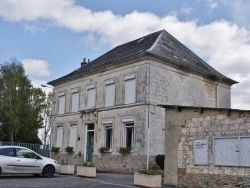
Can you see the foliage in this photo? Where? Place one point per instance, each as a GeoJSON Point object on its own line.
{"type": "Point", "coordinates": [148, 172]}
{"type": "Point", "coordinates": [104, 149]}
{"type": "Point", "coordinates": [87, 164]}
{"type": "Point", "coordinates": [21, 105]}
{"type": "Point", "coordinates": [55, 149]}
{"type": "Point", "coordinates": [159, 159]}
{"type": "Point", "coordinates": [69, 149]}
{"type": "Point", "coordinates": [47, 116]}
{"type": "Point", "coordinates": [125, 150]}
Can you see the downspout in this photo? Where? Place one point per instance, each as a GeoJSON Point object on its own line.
{"type": "Point", "coordinates": [148, 115]}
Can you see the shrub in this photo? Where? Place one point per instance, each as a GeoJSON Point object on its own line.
{"type": "Point", "coordinates": [87, 164]}
{"type": "Point", "coordinates": [103, 149]}
{"type": "Point", "coordinates": [159, 159]}
{"type": "Point", "coordinates": [55, 149]}
{"type": "Point", "coordinates": [148, 172]}
{"type": "Point", "coordinates": [69, 149]}
{"type": "Point", "coordinates": [125, 150]}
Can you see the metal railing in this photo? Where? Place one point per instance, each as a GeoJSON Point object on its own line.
{"type": "Point", "coordinates": [40, 149]}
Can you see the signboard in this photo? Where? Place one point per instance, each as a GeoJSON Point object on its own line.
{"type": "Point", "coordinates": [201, 151]}
{"type": "Point", "coordinates": [227, 151]}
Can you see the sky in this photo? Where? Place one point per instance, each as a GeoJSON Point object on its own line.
{"type": "Point", "coordinates": [51, 37]}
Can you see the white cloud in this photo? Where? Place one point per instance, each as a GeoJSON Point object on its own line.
{"type": "Point", "coordinates": [222, 44]}
{"type": "Point", "coordinates": [36, 67]}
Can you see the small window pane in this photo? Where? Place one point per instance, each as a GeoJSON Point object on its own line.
{"type": "Point", "coordinates": [73, 135]}
{"type": "Point", "coordinates": [129, 134]}
{"type": "Point", "coordinates": [59, 140]}
{"type": "Point", "coordinates": [9, 152]}
{"type": "Point", "coordinates": [108, 135]}
{"type": "Point", "coordinates": [110, 95]}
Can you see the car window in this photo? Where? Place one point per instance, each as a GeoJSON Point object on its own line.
{"type": "Point", "coordinates": [25, 153]}
{"type": "Point", "coordinates": [7, 152]}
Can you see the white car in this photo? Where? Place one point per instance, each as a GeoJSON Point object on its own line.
{"type": "Point", "coordinates": [21, 160]}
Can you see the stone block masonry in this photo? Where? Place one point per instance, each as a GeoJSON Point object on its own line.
{"type": "Point", "coordinates": [189, 124]}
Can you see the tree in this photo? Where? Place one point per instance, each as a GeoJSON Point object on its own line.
{"type": "Point", "coordinates": [21, 104]}
{"type": "Point", "coordinates": [47, 113]}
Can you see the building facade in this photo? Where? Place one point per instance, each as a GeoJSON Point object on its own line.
{"type": "Point", "coordinates": [113, 101]}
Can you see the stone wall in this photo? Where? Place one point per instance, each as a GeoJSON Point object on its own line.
{"type": "Point", "coordinates": [123, 163]}
{"type": "Point", "coordinates": [190, 123]}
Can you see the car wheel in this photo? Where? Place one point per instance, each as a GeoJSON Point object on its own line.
{"type": "Point", "coordinates": [48, 171]}
{"type": "Point", "coordinates": [36, 175]}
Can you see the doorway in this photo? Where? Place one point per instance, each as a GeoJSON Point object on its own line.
{"type": "Point", "coordinates": [90, 142]}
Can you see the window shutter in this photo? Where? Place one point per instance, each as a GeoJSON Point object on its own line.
{"type": "Point", "coordinates": [91, 98]}
{"type": "Point", "coordinates": [130, 91]}
{"type": "Point", "coordinates": [73, 135]}
{"type": "Point", "coordinates": [59, 140]}
{"type": "Point", "coordinates": [110, 95]}
{"type": "Point", "coordinates": [75, 102]}
{"type": "Point", "coordinates": [61, 104]}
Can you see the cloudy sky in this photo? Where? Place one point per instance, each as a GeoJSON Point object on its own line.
{"type": "Point", "coordinates": [51, 37]}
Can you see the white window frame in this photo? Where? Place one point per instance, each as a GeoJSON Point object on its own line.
{"type": "Point", "coordinates": [91, 87]}
{"type": "Point", "coordinates": [127, 124]}
{"type": "Point", "coordinates": [73, 143]}
{"type": "Point", "coordinates": [127, 79]}
{"type": "Point", "coordinates": [60, 145]}
{"type": "Point", "coordinates": [75, 92]}
{"type": "Point", "coordinates": [61, 110]}
{"type": "Point", "coordinates": [108, 100]}
{"type": "Point", "coordinates": [108, 126]}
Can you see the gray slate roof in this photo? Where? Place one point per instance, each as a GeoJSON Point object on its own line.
{"type": "Point", "coordinates": [160, 45]}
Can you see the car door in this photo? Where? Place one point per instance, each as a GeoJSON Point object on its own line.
{"type": "Point", "coordinates": [26, 161]}
{"type": "Point", "coordinates": [7, 159]}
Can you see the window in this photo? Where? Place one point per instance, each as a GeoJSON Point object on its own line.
{"type": "Point", "coordinates": [61, 106]}
{"type": "Point", "coordinates": [130, 89]}
{"type": "Point", "coordinates": [109, 93]}
{"type": "Point", "coordinates": [129, 134]}
{"type": "Point", "coordinates": [25, 153]}
{"type": "Point", "coordinates": [75, 100]}
{"type": "Point", "coordinates": [91, 95]}
{"type": "Point", "coordinates": [73, 136]}
{"type": "Point", "coordinates": [9, 152]}
{"type": "Point", "coordinates": [59, 139]}
{"type": "Point", "coordinates": [108, 135]}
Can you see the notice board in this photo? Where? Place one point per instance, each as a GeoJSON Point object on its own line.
{"type": "Point", "coordinates": [201, 151]}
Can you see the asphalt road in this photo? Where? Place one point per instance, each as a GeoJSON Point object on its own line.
{"type": "Point", "coordinates": [104, 180]}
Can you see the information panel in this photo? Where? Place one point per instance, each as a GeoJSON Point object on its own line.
{"type": "Point", "coordinates": [227, 151]}
{"type": "Point", "coordinates": [201, 151]}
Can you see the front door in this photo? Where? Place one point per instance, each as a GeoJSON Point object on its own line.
{"type": "Point", "coordinates": [90, 142]}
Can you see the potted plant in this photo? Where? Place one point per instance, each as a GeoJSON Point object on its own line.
{"type": "Point", "coordinates": [87, 170]}
{"type": "Point", "coordinates": [67, 168]}
{"type": "Point", "coordinates": [147, 178]}
{"type": "Point", "coordinates": [55, 150]}
{"type": "Point", "coordinates": [125, 150]}
{"type": "Point", "coordinates": [69, 149]}
{"type": "Point", "coordinates": [104, 149]}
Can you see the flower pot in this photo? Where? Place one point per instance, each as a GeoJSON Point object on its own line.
{"type": "Point", "coordinates": [67, 169]}
{"type": "Point", "coordinates": [86, 171]}
{"type": "Point", "coordinates": [147, 180]}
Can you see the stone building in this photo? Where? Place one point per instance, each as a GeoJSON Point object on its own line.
{"type": "Point", "coordinates": [113, 100]}
{"type": "Point", "coordinates": [207, 147]}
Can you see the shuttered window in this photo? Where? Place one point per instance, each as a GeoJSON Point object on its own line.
{"type": "Point", "coordinates": [59, 139]}
{"type": "Point", "coordinates": [74, 101]}
{"type": "Point", "coordinates": [73, 136]}
{"type": "Point", "coordinates": [109, 94]}
{"type": "Point", "coordinates": [130, 90]}
{"type": "Point", "coordinates": [91, 92]}
{"type": "Point", "coordinates": [108, 135]}
{"type": "Point", "coordinates": [61, 106]}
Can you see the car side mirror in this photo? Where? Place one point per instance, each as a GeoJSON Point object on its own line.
{"type": "Point", "coordinates": [38, 157]}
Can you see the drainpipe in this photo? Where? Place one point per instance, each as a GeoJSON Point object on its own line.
{"type": "Point", "coordinates": [148, 116]}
